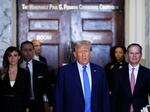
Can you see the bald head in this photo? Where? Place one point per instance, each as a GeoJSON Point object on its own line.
{"type": "Point", "coordinates": [37, 46]}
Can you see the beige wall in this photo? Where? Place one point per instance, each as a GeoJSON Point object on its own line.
{"type": "Point", "coordinates": [135, 24]}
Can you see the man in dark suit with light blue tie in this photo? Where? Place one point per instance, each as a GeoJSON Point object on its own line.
{"type": "Point", "coordinates": [132, 83]}
{"type": "Point", "coordinates": [81, 86]}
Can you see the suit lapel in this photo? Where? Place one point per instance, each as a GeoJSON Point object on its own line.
{"type": "Point", "coordinates": [77, 79]}
{"type": "Point", "coordinates": [7, 81]}
{"type": "Point", "coordinates": [93, 78]}
{"type": "Point", "coordinates": [126, 80]}
{"type": "Point", "coordinates": [33, 65]}
{"type": "Point", "coordinates": [34, 72]}
{"type": "Point", "coordinates": [138, 79]}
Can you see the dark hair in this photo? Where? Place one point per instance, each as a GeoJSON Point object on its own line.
{"type": "Point", "coordinates": [26, 42]}
{"type": "Point", "coordinates": [112, 51]}
{"type": "Point", "coordinates": [7, 53]}
{"type": "Point", "coordinates": [134, 44]}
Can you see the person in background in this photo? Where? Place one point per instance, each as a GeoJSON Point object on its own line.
{"type": "Point", "coordinates": [117, 61]}
{"type": "Point", "coordinates": [37, 56]}
{"type": "Point", "coordinates": [15, 83]}
{"type": "Point", "coordinates": [39, 81]}
{"type": "Point", "coordinates": [81, 86]}
{"type": "Point", "coordinates": [37, 51]}
{"type": "Point", "coordinates": [132, 83]}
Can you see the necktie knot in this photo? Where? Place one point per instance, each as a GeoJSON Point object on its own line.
{"type": "Point", "coordinates": [84, 67]}
{"type": "Point", "coordinates": [133, 69]}
{"type": "Point", "coordinates": [27, 65]}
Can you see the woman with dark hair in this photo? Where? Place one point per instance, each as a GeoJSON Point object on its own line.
{"type": "Point", "coordinates": [117, 55]}
{"type": "Point", "coordinates": [15, 83]}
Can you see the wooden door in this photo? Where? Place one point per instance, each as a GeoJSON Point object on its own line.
{"type": "Point", "coordinates": [58, 27]}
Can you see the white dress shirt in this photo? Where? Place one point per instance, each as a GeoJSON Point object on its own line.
{"type": "Point", "coordinates": [136, 69]}
{"type": "Point", "coordinates": [36, 58]}
{"type": "Point", "coordinates": [12, 83]}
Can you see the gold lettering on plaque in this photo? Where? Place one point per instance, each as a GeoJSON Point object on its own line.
{"type": "Point", "coordinates": [44, 37]}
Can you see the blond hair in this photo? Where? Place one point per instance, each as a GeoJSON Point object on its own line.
{"type": "Point", "coordinates": [83, 42]}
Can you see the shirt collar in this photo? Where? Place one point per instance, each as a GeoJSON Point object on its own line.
{"type": "Point", "coordinates": [36, 57]}
{"type": "Point", "coordinates": [81, 66]}
{"type": "Point", "coordinates": [136, 68]}
{"type": "Point", "coordinates": [29, 62]}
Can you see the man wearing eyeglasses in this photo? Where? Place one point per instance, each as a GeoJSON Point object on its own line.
{"type": "Point", "coordinates": [39, 82]}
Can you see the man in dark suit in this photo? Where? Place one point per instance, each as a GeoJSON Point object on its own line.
{"type": "Point", "coordinates": [132, 83]}
{"type": "Point", "coordinates": [39, 82]}
{"type": "Point", "coordinates": [81, 86]}
{"type": "Point", "coordinates": [37, 52]}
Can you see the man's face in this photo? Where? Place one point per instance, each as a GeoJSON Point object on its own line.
{"type": "Point", "coordinates": [83, 54]}
{"type": "Point", "coordinates": [134, 55]}
{"type": "Point", "coordinates": [27, 52]}
{"type": "Point", "coordinates": [37, 47]}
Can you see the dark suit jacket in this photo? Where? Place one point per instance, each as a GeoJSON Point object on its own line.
{"type": "Point", "coordinates": [41, 84]}
{"type": "Point", "coordinates": [122, 97]}
{"type": "Point", "coordinates": [16, 98]}
{"type": "Point", "coordinates": [42, 59]}
{"type": "Point", "coordinates": [69, 94]}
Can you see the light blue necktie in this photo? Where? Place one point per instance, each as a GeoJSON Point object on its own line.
{"type": "Point", "coordinates": [87, 92]}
